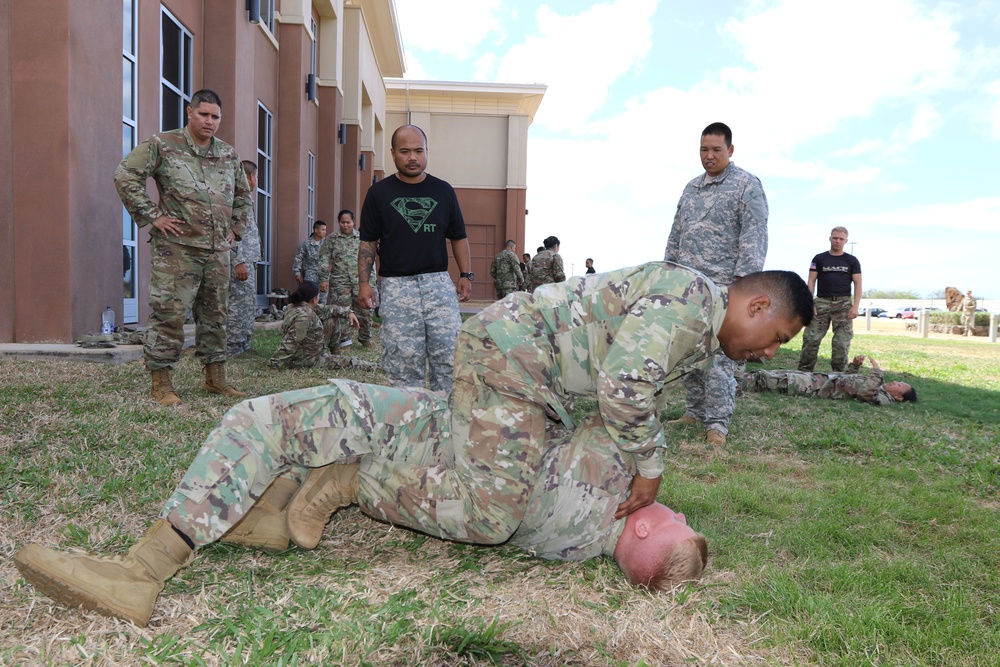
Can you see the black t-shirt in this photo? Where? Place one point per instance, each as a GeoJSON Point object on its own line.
{"type": "Point", "coordinates": [833, 273]}
{"type": "Point", "coordinates": [411, 222]}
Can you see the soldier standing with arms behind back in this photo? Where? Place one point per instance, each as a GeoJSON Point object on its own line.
{"type": "Point", "coordinates": [834, 271]}
{"type": "Point", "coordinates": [968, 308]}
{"type": "Point", "coordinates": [720, 228]}
{"type": "Point", "coordinates": [338, 279]}
{"type": "Point", "coordinates": [244, 256]}
{"type": "Point", "coordinates": [204, 205]}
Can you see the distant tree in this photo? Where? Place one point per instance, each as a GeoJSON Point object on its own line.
{"type": "Point", "coordinates": [937, 294]}
{"type": "Point", "coordinates": [889, 294]}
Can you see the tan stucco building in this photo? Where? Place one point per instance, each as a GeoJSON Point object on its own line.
{"type": "Point", "coordinates": [311, 91]}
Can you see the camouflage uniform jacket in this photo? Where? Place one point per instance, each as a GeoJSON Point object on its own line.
{"type": "Point", "coordinates": [506, 271]}
{"type": "Point", "coordinates": [205, 188]}
{"type": "Point", "coordinates": [306, 262]}
{"type": "Point", "coordinates": [247, 250]}
{"type": "Point", "coordinates": [617, 337]}
{"type": "Point", "coordinates": [338, 259]}
{"type": "Point", "coordinates": [968, 305]}
{"type": "Point", "coordinates": [304, 341]}
{"type": "Point", "coordinates": [720, 227]}
{"type": "Point", "coordinates": [546, 267]}
{"type": "Point", "coordinates": [866, 388]}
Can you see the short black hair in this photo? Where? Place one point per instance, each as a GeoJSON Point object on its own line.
{"type": "Point", "coordinates": [510, 244]}
{"type": "Point", "coordinates": [249, 167]}
{"type": "Point", "coordinates": [392, 142]}
{"type": "Point", "coordinates": [550, 242]}
{"type": "Point", "coordinates": [719, 128]}
{"type": "Point", "coordinates": [317, 224]}
{"type": "Point", "coordinates": [347, 211]}
{"type": "Point", "coordinates": [788, 292]}
{"type": "Point", "coordinates": [205, 95]}
{"type": "Point", "coordinates": [911, 395]}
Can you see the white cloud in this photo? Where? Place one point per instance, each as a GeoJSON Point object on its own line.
{"type": "Point", "coordinates": [414, 70]}
{"type": "Point", "coordinates": [974, 215]}
{"type": "Point", "coordinates": [579, 57]}
{"type": "Point", "coordinates": [450, 27]}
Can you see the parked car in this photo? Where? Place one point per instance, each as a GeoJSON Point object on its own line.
{"type": "Point", "coordinates": [876, 312]}
{"type": "Point", "coordinates": [907, 313]}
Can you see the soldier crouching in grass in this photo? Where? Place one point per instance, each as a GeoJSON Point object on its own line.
{"type": "Point", "coordinates": [494, 464]}
{"type": "Point", "coordinates": [867, 388]}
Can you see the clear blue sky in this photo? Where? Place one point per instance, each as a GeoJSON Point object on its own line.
{"type": "Point", "coordinates": [879, 115]}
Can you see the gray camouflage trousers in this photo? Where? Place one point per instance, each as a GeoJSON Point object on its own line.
{"type": "Point", "coordinates": [835, 310]}
{"type": "Point", "coordinates": [711, 394]}
{"type": "Point", "coordinates": [242, 307]}
{"type": "Point", "coordinates": [420, 322]}
{"type": "Point", "coordinates": [185, 279]}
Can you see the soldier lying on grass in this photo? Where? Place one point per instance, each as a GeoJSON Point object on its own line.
{"type": "Point", "coordinates": [850, 384]}
{"type": "Point", "coordinates": [617, 338]}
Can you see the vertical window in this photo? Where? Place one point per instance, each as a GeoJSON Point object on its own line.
{"type": "Point", "coordinates": [311, 191]}
{"type": "Point", "coordinates": [130, 233]}
{"type": "Point", "coordinates": [267, 14]}
{"type": "Point", "coordinates": [175, 72]}
{"type": "Point", "coordinates": [264, 193]}
{"type": "Point", "coordinates": [315, 42]}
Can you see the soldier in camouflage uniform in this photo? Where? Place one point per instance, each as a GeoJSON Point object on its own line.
{"type": "Point", "coordinates": [618, 338]}
{"type": "Point", "coordinates": [968, 308]}
{"type": "Point", "coordinates": [850, 384]}
{"type": "Point", "coordinates": [547, 266]}
{"type": "Point", "coordinates": [243, 258]}
{"type": "Point", "coordinates": [205, 203]}
{"type": "Point", "coordinates": [506, 271]}
{"type": "Point", "coordinates": [338, 277]}
{"type": "Point", "coordinates": [305, 266]}
{"type": "Point", "coordinates": [307, 327]}
{"type": "Point", "coordinates": [720, 229]}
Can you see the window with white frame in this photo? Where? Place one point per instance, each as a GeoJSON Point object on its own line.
{"type": "Point", "coordinates": [265, 188]}
{"type": "Point", "coordinates": [267, 14]}
{"type": "Point", "coordinates": [315, 47]}
{"type": "Point", "coordinates": [175, 71]}
{"type": "Point", "coordinates": [311, 191]}
{"type": "Point", "coordinates": [130, 81]}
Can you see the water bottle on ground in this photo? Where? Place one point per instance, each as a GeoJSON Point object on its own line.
{"type": "Point", "coordinates": [107, 321]}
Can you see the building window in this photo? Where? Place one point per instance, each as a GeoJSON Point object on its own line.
{"type": "Point", "coordinates": [315, 47]}
{"type": "Point", "coordinates": [265, 128]}
{"type": "Point", "coordinates": [311, 191]}
{"type": "Point", "coordinates": [175, 72]}
{"type": "Point", "coordinates": [267, 14]}
{"type": "Point", "coordinates": [130, 233]}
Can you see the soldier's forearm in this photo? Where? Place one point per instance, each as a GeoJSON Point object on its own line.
{"type": "Point", "coordinates": [366, 261]}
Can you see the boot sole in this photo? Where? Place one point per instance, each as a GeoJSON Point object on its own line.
{"type": "Point", "coordinates": [68, 595]}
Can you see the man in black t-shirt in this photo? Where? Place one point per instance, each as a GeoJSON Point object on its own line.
{"type": "Point", "coordinates": [835, 271]}
{"type": "Point", "coordinates": [405, 220]}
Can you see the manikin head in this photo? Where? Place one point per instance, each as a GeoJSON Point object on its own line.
{"type": "Point", "coordinates": [658, 550]}
{"type": "Point", "coordinates": [766, 310]}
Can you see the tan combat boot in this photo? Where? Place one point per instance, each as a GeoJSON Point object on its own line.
{"type": "Point", "coordinates": [684, 419]}
{"type": "Point", "coordinates": [715, 437]}
{"type": "Point", "coordinates": [325, 490]}
{"type": "Point", "coordinates": [123, 587]}
{"type": "Point", "coordinates": [216, 382]}
{"type": "Point", "coordinates": [163, 388]}
{"type": "Point", "coordinates": [265, 526]}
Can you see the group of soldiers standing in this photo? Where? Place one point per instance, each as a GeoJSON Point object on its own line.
{"type": "Point", "coordinates": [510, 275]}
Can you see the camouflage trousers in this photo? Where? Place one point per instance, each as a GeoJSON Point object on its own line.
{"type": "Point", "coordinates": [346, 294]}
{"type": "Point", "coordinates": [184, 279]}
{"type": "Point", "coordinates": [503, 289]}
{"type": "Point", "coordinates": [462, 471]}
{"type": "Point", "coordinates": [420, 322]}
{"type": "Point", "coordinates": [242, 306]}
{"type": "Point", "coordinates": [711, 393]}
{"type": "Point", "coordinates": [835, 310]}
{"type": "Point", "coordinates": [795, 383]}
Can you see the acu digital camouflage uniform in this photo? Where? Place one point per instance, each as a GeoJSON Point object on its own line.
{"type": "Point", "coordinates": [850, 384]}
{"type": "Point", "coordinates": [545, 267]}
{"type": "Point", "coordinates": [338, 265]}
{"type": "Point", "coordinates": [307, 333]}
{"type": "Point", "coordinates": [242, 306]}
{"type": "Point", "coordinates": [306, 262]}
{"type": "Point", "coordinates": [208, 191]}
{"type": "Point", "coordinates": [720, 229]}
{"type": "Point", "coordinates": [616, 337]}
{"type": "Point", "coordinates": [506, 273]}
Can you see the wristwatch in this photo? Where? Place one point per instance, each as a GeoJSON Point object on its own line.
{"type": "Point", "coordinates": [471, 276]}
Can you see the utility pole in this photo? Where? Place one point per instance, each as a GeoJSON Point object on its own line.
{"type": "Point", "coordinates": [852, 243]}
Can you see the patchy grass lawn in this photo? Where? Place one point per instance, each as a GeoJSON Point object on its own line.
{"type": "Point", "coordinates": [840, 534]}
